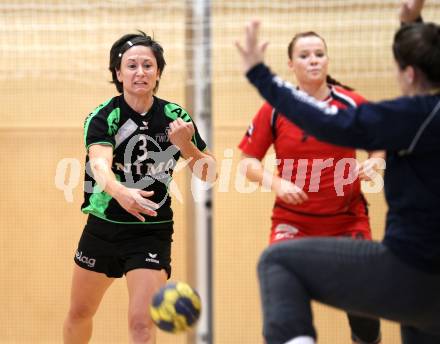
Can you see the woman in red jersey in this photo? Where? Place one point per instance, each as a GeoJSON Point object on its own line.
{"type": "Point", "coordinates": [317, 185]}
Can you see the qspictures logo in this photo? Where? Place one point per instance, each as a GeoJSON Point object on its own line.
{"type": "Point", "coordinates": [231, 177]}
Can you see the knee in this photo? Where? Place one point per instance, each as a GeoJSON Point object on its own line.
{"type": "Point", "coordinates": [268, 256]}
{"type": "Point", "coordinates": [80, 312]}
{"type": "Point", "coordinates": [272, 256]}
{"type": "Point", "coordinates": [140, 325]}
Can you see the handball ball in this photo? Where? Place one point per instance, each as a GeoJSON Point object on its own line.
{"type": "Point", "coordinates": [175, 307]}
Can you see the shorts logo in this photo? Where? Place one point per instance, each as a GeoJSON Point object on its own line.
{"type": "Point", "coordinates": [285, 231]}
{"type": "Point", "coordinates": [90, 262]}
{"type": "Point", "coordinates": [151, 258]}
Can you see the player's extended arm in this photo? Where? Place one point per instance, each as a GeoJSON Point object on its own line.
{"type": "Point", "coordinates": [390, 125]}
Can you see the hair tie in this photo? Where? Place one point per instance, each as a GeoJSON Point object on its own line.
{"type": "Point", "coordinates": [124, 48]}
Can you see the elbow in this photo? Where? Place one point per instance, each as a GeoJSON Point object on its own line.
{"type": "Point", "coordinates": [99, 165]}
{"type": "Point", "coordinates": [209, 175]}
{"type": "Point", "coordinates": [205, 169]}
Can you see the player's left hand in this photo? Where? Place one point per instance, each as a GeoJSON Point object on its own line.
{"type": "Point", "coordinates": [181, 132]}
{"type": "Point", "coordinates": [368, 170]}
{"type": "Point", "coordinates": [410, 10]}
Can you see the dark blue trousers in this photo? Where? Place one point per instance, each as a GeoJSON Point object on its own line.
{"type": "Point", "coordinates": [360, 277]}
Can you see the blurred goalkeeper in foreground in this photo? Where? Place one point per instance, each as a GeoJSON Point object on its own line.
{"type": "Point", "coordinates": [399, 278]}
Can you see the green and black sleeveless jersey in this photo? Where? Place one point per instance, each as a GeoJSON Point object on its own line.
{"type": "Point", "coordinates": [143, 156]}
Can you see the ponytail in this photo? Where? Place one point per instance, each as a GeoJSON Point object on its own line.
{"type": "Point", "coordinates": [335, 82]}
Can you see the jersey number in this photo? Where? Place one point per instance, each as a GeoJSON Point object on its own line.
{"type": "Point", "coordinates": [143, 148]}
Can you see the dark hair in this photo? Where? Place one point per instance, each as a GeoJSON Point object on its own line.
{"type": "Point", "coordinates": [126, 42]}
{"type": "Point", "coordinates": [291, 46]}
{"type": "Point", "coordinates": [418, 45]}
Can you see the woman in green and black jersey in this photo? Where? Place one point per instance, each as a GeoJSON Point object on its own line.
{"type": "Point", "coordinates": [133, 142]}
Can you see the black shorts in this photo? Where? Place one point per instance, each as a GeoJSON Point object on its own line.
{"type": "Point", "coordinates": [115, 248]}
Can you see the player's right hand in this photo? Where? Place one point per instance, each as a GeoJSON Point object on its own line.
{"type": "Point", "coordinates": [135, 202]}
{"type": "Point", "coordinates": [289, 192]}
